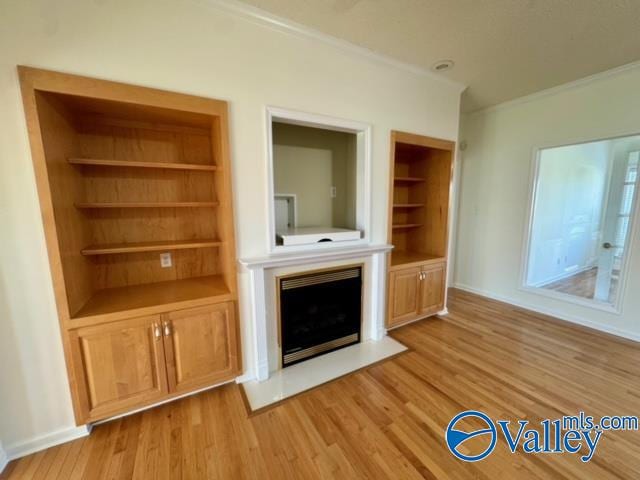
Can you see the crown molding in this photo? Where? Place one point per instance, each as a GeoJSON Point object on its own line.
{"type": "Point", "coordinates": [266, 19]}
{"type": "Point", "coordinates": [548, 92]}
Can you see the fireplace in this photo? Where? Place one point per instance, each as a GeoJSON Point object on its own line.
{"type": "Point", "coordinates": [319, 312]}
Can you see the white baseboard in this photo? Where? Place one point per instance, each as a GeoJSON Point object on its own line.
{"type": "Point", "coordinates": [618, 332]}
{"type": "Point", "coordinates": [45, 441]}
{"type": "Point", "coordinates": [561, 276]}
{"type": "Point", "coordinates": [247, 376]}
{"type": "Point", "coordinates": [4, 458]}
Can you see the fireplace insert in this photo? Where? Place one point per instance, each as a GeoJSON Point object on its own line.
{"type": "Point", "coordinates": [319, 312]}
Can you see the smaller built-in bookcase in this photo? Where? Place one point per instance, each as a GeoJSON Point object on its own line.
{"type": "Point", "coordinates": [421, 172]}
{"type": "Point", "coordinates": [134, 185]}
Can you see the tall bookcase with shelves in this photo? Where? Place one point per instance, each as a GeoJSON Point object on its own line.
{"type": "Point", "coordinates": [126, 174]}
{"type": "Point", "coordinates": [418, 225]}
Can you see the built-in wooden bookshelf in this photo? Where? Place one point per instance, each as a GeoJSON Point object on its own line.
{"type": "Point", "coordinates": [125, 174]}
{"type": "Point", "coordinates": [130, 164]}
{"type": "Point", "coordinates": [418, 225]}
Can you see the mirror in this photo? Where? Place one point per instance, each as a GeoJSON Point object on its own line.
{"type": "Point", "coordinates": [583, 206]}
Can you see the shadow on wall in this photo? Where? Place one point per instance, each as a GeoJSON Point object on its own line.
{"type": "Point", "coordinates": [11, 371]}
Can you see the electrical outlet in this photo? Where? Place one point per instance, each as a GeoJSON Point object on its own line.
{"type": "Point", "coordinates": [165, 260]}
{"type": "Point", "coordinates": [334, 192]}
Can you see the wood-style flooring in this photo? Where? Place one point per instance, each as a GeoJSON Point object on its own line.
{"type": "Point", "coordinates": [388, 420]}
{"type": "Point", "coordinates": [582, 284]}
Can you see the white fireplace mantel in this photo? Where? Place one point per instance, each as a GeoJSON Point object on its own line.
{"type": "Point", "coordinates": [373, 326]}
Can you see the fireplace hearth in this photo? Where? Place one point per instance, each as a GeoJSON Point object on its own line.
{"type": "Point", "coordinates": [319, 312]}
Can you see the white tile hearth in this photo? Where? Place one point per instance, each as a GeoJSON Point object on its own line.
{"type": "Point", "coordinates": [303, 376]}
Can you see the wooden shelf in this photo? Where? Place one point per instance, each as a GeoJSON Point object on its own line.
{"type": "Point", "coordinates": [150, 298]}
{"type": "Point", "coordinates": [148, 205]}
{"type": "Point", "coordinates": [408, 205]}
{"type": "Point", "coordinates": [408, 179]}
{"type": "Point", "coordinates": [403, 259]}
{"type": "Point", "coordinates": [406, 225]}
{"type": "Point", "coordinates": [107, 249]}
{"type": "Point", "coordinates": [128, 164]}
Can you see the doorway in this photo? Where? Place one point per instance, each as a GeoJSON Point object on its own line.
{"type": "Point", "coordinates": [584, 200]}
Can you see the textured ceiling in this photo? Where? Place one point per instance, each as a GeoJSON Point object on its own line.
{"type": "Point", "coordinates": [503, 49]}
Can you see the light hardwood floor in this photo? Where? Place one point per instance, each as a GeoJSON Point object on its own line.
{"type": "Point", "coordinates": [582, 284]}
{"type": "Point", "coordinates": [387, 421]}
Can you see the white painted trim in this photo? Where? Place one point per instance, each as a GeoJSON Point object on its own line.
{"type": "Point", "coordinates": [45, 441]}
{"type": "Point", "coordinates": [264, 18]}
{"type": "Point", "coordinates": [548, 92]}
{"type": "Point", "coordinates": [4, 459]}
{"type": "Point", "coordinates": [300, 258]}
{"type": "Point", "coordinates": [566, 297]}
{"type": "Point", "coordinates": [562, 276]}
{"type": "Point", "coordinates": [619, 332]}
{"type": "Point", "coordinates": [258, 316]}
{"type": "Point", "coordinates": [378, 285]}
{"type": "Point", "coordinates": [248, 376]}
{"type": "Point", "coordinates": [363, 167]}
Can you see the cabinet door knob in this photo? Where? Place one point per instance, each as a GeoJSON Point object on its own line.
{"type": "Point", "coordinates": [156, 331]}
{"type": "Point", "coordinates": [167, 329]}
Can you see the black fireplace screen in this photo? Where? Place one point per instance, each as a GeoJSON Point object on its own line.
{"type": "Point", "coordinates": [319, 312]}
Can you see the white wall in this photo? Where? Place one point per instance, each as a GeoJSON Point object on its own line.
{"type": "Point", "coordinates": [190, 47]}
{"type": "Point", "coordinates": [495, 187]}
{"type": "Point", "coordinates": [568, 210]}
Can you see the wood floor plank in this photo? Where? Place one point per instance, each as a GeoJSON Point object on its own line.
{"type": "Point", "coordinates": [388, 420]}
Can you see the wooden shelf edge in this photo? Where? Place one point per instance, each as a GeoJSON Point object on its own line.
{"type": "Point", "coordinates": [400, 260]}
{"type": "Point", "coordinates": [150, 299]}
{"type": "Point", "coordinates": [132, 164]}
{"type": "Point", "coordinates": [107, 249]}
{"type": "Point", "coordinates": [408, 179]}
{"type": "Point", "coordinates": [406, 225]}
{"type": "Point", "coordinates": [89, 205]}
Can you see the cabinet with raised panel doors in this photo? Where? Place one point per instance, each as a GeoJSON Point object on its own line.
{"type": "Point", "coordinates": [135, 191]}
{"type": "Point", "coordinates": [415, 292]}
{"type": "Point", "coordinates": [419, 195]}
{"type": "Point", "coordinates": [141, 361]}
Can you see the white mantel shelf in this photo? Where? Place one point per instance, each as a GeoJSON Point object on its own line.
{"type": "Point", "coordinates": [258, 268]}
{"type": "Point", "coordinates": [313, 256]}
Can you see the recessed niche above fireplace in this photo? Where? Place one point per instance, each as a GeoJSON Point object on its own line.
{"type": "Point", "coordinates": [318, 181]}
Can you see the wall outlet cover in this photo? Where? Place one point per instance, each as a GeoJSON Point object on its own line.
{"type": "Point", "coordinates": [165, 260]}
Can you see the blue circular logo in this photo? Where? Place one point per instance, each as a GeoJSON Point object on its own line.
{"type": "Point", "coordinates": [455, 438]}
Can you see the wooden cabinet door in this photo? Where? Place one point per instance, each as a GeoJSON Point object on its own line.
{"type": "Point", "coordinates": [119, 365]}
{"type": "Point", "coordinates": [200, 346]}
{"type": "Point", "coordinates": [404, 292]}
{"type": "Point", "coordinates": [432, 289]}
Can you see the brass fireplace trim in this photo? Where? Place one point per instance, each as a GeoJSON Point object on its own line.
{"type": "Point", "coordinates": [278, 280]}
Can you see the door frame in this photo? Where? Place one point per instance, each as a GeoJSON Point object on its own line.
{"type": "Point", "coordinates": [615, 308]}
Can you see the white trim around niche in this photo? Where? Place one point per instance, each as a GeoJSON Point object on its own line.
{"type": "Point", "coordinates": [363, 147]}
{"type": "Point", "coordinates": [615, 308]}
